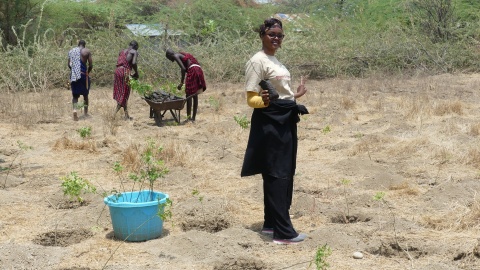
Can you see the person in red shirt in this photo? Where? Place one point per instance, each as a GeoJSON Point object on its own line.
{"type": "Point", "coordinates": [192, 75]}
{"type": "Point", "coordinates": [126, 63]}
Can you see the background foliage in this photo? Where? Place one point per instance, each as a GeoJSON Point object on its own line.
{"type": "Point", "coordinates": [329, 38]}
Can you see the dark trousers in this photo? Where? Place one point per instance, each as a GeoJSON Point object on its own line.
{"type": "Point", "coordinates": [277, 198]}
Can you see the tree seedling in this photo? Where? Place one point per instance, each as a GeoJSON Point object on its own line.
{"type": "Point", "coordinates": [380, 196]}
{"type": "Point", "coordinates": [151, 169]}
{"type": "Point", "coordinates": [326, 129]}
{"type": "Point", "coordinates": [321, 255]}
{"type": "Point", "coordinates": [345, 183]}
{"type": "Point", "coordinates": [85, 132]}
{"type": "Point", "coordinates": [242, 121]}
{"type": "Point", "coordinates": [74, 186]}
{"type": "Point", "coordinates": [215, 103]}
{"type": "Point", "coordinates": [359, 135]}
{"type": "Point", "coordinates": [196, 193]}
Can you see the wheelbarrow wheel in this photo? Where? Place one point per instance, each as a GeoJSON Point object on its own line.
{"type": "Point", "coordinates": [158, 118]}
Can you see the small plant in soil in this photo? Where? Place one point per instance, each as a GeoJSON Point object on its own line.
{"type": "Point", "coordinates": [242, 121]}
{"type": "Point", "coordinates": [85, 132]}
{"type": "Point", "coordinates": [74, 186]}
{"type": "Point", "coordinates": [321, 255]}
{"type": "Point", "coordinates": [196, 193]}
{"type": "Point", "coordinates": [326, 129]}
{"type": "Point", "coordinates": [359, 135]}
{"type": "Point", "coordinates": [345, 183]}
{"type": "Point", "coordinates": [380, 196]}
{"type": "Point", "coordinates": [215, 103]}
{"type": "Point", "coordinates": [22, 148]}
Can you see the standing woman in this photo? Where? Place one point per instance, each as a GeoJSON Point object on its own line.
{"type": "Point", "coordinates": [272, 143]}
{"type": "Point", "coordinates": [194, 80]}
{"type": "Point", "coordinates": [126, 62]}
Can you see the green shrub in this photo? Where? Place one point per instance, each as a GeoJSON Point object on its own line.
{"type": "Point", "coordinates": [242, 121]}
{"type": "Point", "coordinates": [143, 89]}
{"type": "Point", "coordinates": [74, 186]}
{"type": "Point", "coordinates": [85, 132]}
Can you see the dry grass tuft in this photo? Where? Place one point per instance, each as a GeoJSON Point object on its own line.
{"type": "Point", "coordinates": [405, 188]}
{"type": "Point", "coordinates": [472, 158]}
{"type": "Point", "coordinates": [445, 219]}
{"type": "Point", "coordinates": [110, 122]}
{"type": "Point", "coordinates": [67, 143]}
{"type": "Point", "coordinates": [416, 107]}
{"type": "Point", "coordinates": [176, 153]}
{"type": "Point", "coordinates": [448, 107]}
{"type": "Point", "coordinates": [443, 156]}
{"type": "Point", "coordinates": [458, 217]}
{"type": "Point", "coordinates": [131, 157]}
{"type": "Point", "coordinates": [471, 218]}
{"type": "Point", "coordinates": [474, 130]}
{"type": "Point", "coordinates": [370, 143]}
{"type": "Point", "coordinates": [436, 222]}
{"type": "Point", "coordinates": [449, 127]}
{"type": "Point", "coordinates": [409, 148]}
{"type": "Point", "coordinates": [347, 103]}
{"type": "Point", "coordinates": [28, 109]}
{"type": "Point", "coordinates": [379, 104]}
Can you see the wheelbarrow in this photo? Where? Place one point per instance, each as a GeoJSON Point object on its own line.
{"type": "Point", "coordinates": [159, 109]}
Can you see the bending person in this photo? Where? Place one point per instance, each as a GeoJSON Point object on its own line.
{"type": "Point", "coordinates": [192, 75]}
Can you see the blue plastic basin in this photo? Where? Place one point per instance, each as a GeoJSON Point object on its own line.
{"type": "Point", "coordinates": [135, 214]}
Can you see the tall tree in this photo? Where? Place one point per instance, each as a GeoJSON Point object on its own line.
{"type": "Point", "coordinates": [14, 13]}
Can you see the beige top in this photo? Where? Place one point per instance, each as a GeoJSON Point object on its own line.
{"type": "Point", "coordinates": [262, 67]}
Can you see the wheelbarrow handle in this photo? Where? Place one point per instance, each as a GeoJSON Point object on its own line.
{"type": "Point", "coordinates": [189, 97]}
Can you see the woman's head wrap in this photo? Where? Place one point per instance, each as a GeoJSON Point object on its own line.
{"type": "Point", "coordinates": [268, 24]}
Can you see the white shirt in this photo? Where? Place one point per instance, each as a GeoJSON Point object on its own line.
{"type": "Point", "coordinates": [74, 56]}
{"type": "Point", "coordinates": [267, 67]}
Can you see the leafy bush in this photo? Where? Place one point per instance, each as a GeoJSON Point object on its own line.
{"type": "Point", "coordinates": [242, 121]}
{"type": "Point", "coordinates": [321, 255]}
{"type": "Point", "coordinates": [85, 132]}
{"type": "Point", "coordinates": [74, 186]}
{"type": "Point", "coordinates": [143, 89]}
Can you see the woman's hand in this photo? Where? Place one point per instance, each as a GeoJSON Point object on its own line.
{"type": "Point", "coordinates": [301, 89]}
{"type": "Point", "coordinates": [265, 97]}
{"type": "Point", "coordinates": [179, 87]}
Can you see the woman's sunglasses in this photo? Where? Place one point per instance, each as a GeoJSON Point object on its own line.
{"type": "Point", "coordinates": [273, 35]}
